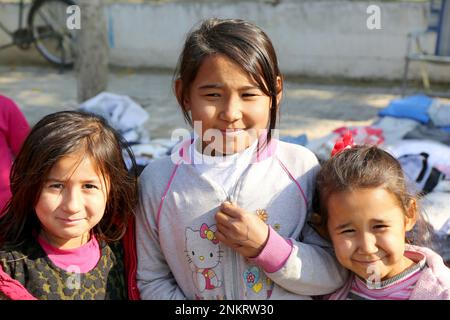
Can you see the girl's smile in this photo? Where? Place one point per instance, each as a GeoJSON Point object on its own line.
{"type": "Point", "coordinates": [71, 221]}
{"type": "Point", "coordinates": [232, 132]}
{"type": "Point", "coordinates": [367, 227]}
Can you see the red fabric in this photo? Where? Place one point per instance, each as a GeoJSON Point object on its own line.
{"type": "Point", "coordinates": [363, 135]}
{"type": "Point", "coordinates": [12, 288]}
{"type": "Point", "coordinates": [341, 144]}
{"type": "Point", "coordinates": [206, 274]}
{"type": "Point", "coordinates": [130, 260]}
{"type": "Point", "coordinates": [13, 130]}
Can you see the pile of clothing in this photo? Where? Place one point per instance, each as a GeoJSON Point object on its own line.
{"type": "Point", "coordinates": [129, 119]}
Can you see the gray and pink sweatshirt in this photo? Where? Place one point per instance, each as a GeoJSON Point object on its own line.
{"type": "Point", "coordinates": [179, 256]}
{"type": "Point", "coordinates": [432, 283]}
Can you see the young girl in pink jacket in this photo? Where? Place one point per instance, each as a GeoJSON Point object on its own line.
{"type": "Point", "coordinates": [13, 130]}
{"type": "Point", "coordinates": [365, 209]}
{"type": "Point", "coordinates": [67, 233]}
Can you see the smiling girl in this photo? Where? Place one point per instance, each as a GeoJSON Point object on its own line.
{"type": "Point", "coordinates": [225, 217]}
{"type": "Point", "coordinates": [72, 199]}
{"type": "Point", "coordinates": [365, 209]}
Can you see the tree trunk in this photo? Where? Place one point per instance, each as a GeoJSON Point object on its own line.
{"type": "Point", "coordinates": [92, 51]}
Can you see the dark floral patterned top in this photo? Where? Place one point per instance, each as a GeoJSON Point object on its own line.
{"type": "Point", "coordinates": [29, 264]}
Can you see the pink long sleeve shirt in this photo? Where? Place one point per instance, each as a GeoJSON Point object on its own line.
{"type": "Point", "coordinates": [13, 131]}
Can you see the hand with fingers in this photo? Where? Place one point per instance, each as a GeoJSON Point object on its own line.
{"type": "Point", "coordinates": [242, 231]}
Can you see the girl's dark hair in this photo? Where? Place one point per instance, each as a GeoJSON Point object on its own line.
{"type": "Point", "coordinates": [52, 138]}
{"type": "Point", "coordinates": [240, 41]}
{"type": "Point", "coordinates": [362, 167]}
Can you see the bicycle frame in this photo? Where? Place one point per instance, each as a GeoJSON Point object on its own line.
{"type": "Point", "coordinates": [20, 23]}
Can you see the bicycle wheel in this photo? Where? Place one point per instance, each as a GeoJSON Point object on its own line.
{"type": "Point", "coordinates": [47, 22]}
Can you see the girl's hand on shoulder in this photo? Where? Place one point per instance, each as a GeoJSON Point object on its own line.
{"type": "Point", "coordinates": [243, 231]}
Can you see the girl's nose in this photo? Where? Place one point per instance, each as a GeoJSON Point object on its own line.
{"type": "Point", "coordinates": [72, 201]}
{"type": "Point", "coordinates": [231, 111]}
{"type": "Point", "coordinates": [368, 243]}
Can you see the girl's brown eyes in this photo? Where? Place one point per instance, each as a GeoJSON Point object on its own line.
{"type": "Point", "coordinates": [244, 95]}
{"type": "Point", "coordinates": [90, 186]}
{"type": "Point", "coordinates": [61, 186]}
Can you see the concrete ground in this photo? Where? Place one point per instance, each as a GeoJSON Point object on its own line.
{"type": "Point", "coordinates": [312, 109]}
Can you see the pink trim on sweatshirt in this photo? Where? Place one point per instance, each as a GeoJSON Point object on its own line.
{"type": "Point", "coordinates": [184, 150]}
{"type": "Point", "coordinates": [267, 150]}
{"type": "Point", "coordinates": [295, 181]}
{"type": "Point", "coordinates": [165, 193]}
{"type": "Point", "coordinates": [275, 253]}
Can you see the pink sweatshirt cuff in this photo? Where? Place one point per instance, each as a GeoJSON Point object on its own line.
{"type": "Point", "coordinates": [274, 255]}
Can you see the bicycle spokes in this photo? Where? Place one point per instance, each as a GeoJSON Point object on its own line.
{"type": "Point", "coordinates": [53, 39]}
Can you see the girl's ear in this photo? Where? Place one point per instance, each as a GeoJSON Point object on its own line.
{"type": "Point", "coordinates": [178, 91]}
{"type": "Point", "coordinates": [279, 89]}
{"type": "Point", "coordinates": [411, 215]}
